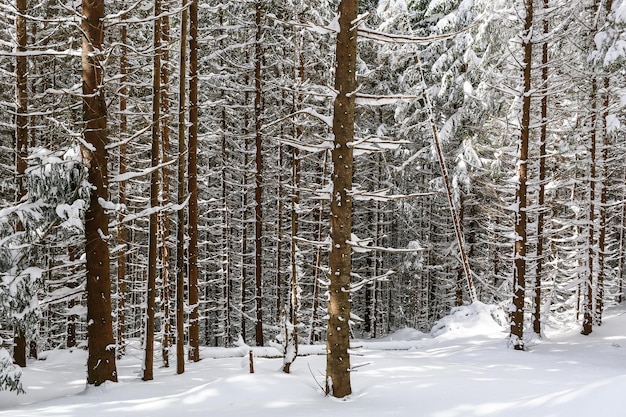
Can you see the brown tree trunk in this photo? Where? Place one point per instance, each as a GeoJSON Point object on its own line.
{"type": "Point", "coordinates": [599, 305]}
{"type": "Point", "coordinates": [244, 216]}
{"type": "Point", "coordinates": [21, 135]}
{"type": "Point", "coordinates": [340, 260]}
{"type": "Point", "coordinates": [314, 334]}
{"type": "Point", "coordinates": [71, 320]}
{"type": "Point", "coordinates": [180, 232]}
{"type": "Point", "coordinates": [122, 234]}
{"type": "Point", "coordinates": [101, 360]}
{"type": "Point", "coordinates": [292, 334]}
{"type": "Point", "coordinates": [154, 197]}
{"type": "Point", "coordinates": [542, 176]}
{"type": "Point", "coordinates": [192, 184]}
{"type": "Point", "coordinates": [622, 247]}
{"type": "Point", "coordinates": [279, 231]}
{"type": "Point", "coordinates": [588, 283]}
{"type": "Point", "coordinates": [519, 268]}
{"type": "Point", "coordinates": [164, 219]}
{"type": "Point", "coordinates": [258, 186]}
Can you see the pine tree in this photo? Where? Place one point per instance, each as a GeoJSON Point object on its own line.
{"type": "Point", "coordinates": [101, 361]}
{"type": "Point", "coordinates": [338, 336]}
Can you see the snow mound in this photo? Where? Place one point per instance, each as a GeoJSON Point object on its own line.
{"type": "Point", "coordinates": [470, 320]}
{"type": "Point", "coordinates": [405, 334]}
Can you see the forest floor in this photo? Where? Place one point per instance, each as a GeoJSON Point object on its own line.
{"type": "Point", "coordinates": [462, 368]}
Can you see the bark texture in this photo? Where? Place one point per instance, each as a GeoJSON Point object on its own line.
{"type": "Point", "coordinates": [258, 186]}
{"type": "Point", "coordinates": [192, 184]}
{"type": "Point", "coordinates": [519, 268]}
{"type": "Point", "coordinates": [154, 198]}
{"type": "Point", "coordinates": [180, 232]}
{"type": "Point", "coordinates": [21, 136]}
{"type": "Point", "coordinates": [340, 261]}
{"type": "Point", "coordinates": [101, 360]}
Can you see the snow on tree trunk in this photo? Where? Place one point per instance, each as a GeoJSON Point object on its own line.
{"type": "Point", "coordinates": [519, 270]}
{"type": "Point", "coordinates": [192, 184]}
{"type": "Point", "coordinates": [180, 232]}
{"type": "Point", "coordinates": [101, 360]}
{"type": "Point", "coordinates": [148, 371]}
{"type": "Point", "coordinates": [340, 260]}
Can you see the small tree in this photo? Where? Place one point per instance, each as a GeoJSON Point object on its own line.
{"type": "Point", "coordinates": [10, 374]}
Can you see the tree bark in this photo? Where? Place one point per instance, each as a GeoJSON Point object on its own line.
{"type": "Point", "coordinates": [21, 135]}
{"type": "Point", "coordinates": [542, 175]}
{"type": "Point", "coordinates": [340, 260]}
{"type": "Point", "coordinates": [192, 184]}
{"type": "Point", "coordinates": [180, 232]}
{"type": "Point", "coordinates": [258, 186]}
{"type": "Point", "coordinates": [164, 216]}
{"type": "Point", "coordinates": [519, 268]}
{"type": "Point", "coordinates": [101, 360]}
{"type": "Point", "coordinates": [154, 197]}
{"type": "Point", "coordinates": [122, 234]}
{"type": "Point", "coordinates": [604, 154]}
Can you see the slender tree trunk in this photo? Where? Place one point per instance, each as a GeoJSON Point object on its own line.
{"type": "Point", "coordinates": [604, 154]}
{"type": "Point", "coordinates": [122, 234]}
{"type": "Point", "coordinates": [21, 135]}
{"type": "Point", "coordinates": [101, 360]}
{"type": "Point", "coordinates": [154, 197]}
{"type": "Point", "coordinates": [226, 266]}
{"type": "Point", "coordinates": [519, 268]}
{"type": "Point", "coordinates": [180, 231]}
{"type": "Point", "coordinates": [622, 246]}
{"type": "Point", "coordinates": [458, 227]}
{"type": "Point", "coordinates": [164, 219]}
{"type": "Point", "coordinates": [292, 333]}
{"type": "Point", "coordinates": [71, 320]}
{"type": "Point", "coordinates": [258, 188]}
{"type": "Point", "coordinates": [587, 327]}
{"type": "Point", "coordinates": [599, 301]}
{"type": "Point", "coordinates": [542, 175]}
{"type": "Point", "coordinates": [192, 184]}
{"type": "Point", "coordinates": [279, 231]}
{"type": "Point", "coordinates": [315, 332]}
{"type": "Point", "coordinates": [244, 215]}
{"type": "Point", "coordinates": [294, 301]}
{"type": "Point", "coordinates": [340, 260]}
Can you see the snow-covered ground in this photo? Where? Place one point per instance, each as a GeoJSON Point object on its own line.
{"type": "Point", "coordinates": [462, 369]}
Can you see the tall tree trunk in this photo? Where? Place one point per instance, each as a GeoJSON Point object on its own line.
{"type": "Point", "coordinates": [258, 186]}
{"type": "Point", "coordinates": [622, 246]}
{"type": "Point", "coordinates": [315, 331]}
{"type": "Point", "coordinates": [154, 197]}
{"type": "Point", "coordinates": [180, 231]}
{"type": "Point", "coordinates": [21, 145]}
{"type": "Point", "coordinates": [122, 234]}
{"type": "Point", "coordinates": [588, 283]}
{"type": "Point", "coordinates": [192, 184]}
{"type": "Point", "coordinates": [226, 266]}
{"type": "Point", "coordinates": [244, 214]}
{"type": "Point", "coordinates": [340, 260]}
{"type": "Point", "coordinates": [279, 230]}
{"type": "Point", "coordinates": [164, 216]}
{"type": "Point", "coordinates": [101, 360]}
{"type": "Point", "coordinates": [542, 175]}
{"type": "Point", "coordinates": [604, 154]}
{"type": "Point", "coordinates": [519, 268]}
{"type": "Point", "coordinates": [456, 221]}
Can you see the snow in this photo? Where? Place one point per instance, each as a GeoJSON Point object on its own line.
{"type": "Point", "coordinates": [463, 368]}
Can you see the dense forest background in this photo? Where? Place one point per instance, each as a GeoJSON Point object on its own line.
{"type": "Point", "coordinates": [525, 99]}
